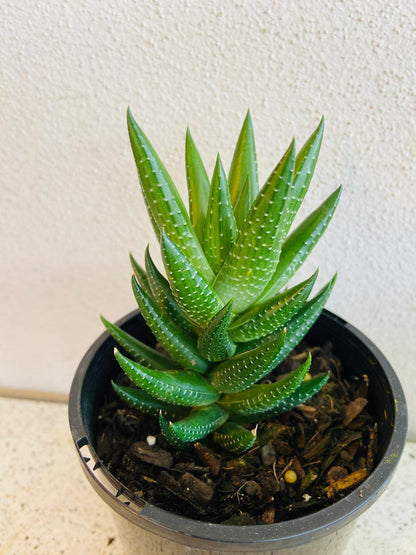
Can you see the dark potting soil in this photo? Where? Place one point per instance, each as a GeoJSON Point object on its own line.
{"type": "Point", "coordinates": [303, 460]}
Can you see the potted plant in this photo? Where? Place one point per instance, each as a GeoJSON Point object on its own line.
{"type": "Point", "coordinates": [225, 318]}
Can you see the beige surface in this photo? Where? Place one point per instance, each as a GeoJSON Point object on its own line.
{"type": "Point", "coordinates": [48, 508]}
{"type": "Point", "coordinates": [70, 208]}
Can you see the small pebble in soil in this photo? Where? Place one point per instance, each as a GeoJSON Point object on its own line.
{"type": "Point", "coordinates": [290, 476]}
{"type": "Point", "coordinates": [151, 440]}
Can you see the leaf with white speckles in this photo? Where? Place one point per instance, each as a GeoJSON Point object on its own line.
{"type": "Point", "coordinates": [255, 253]}
{"type": "Point", "coordinates": [180, 387]}
{"type": "Point", "coordinates": [138, 350]}
{"type": "Point", "coordinates": [300, 243]}
{"type": "Point", "coordinates": [263, 397]}
{"type": "Point", "coordinates": [305, 391]}
{"type": "Point", "coordinates": [299, 325]}
{"type": "Point", "coordinates": [141, 275]}
{"type": "Point", "coordinates": [163, 202]}
{"type": "Point", "coordinates": [200, 423]}
{"type": "Point", "coordinates": [162, 294]}
{"type": "Point", "coordinates": [145, 402]}
{"type": "Point", "coordinates": [214, 343]}
{"type": "Point", "coordinates": [304, 167]}
{"type": "Point", "coordinates": [198, 186]}
{"type": "Point", "coordinates": [192, 293]}
{"type": "Point", "coordinates": [235, 438]}
{"type": "Point", "coordinates": [179, 344]}
{"type": "Point", "coordinates": [245, 369]}
{"type": "Point", "coordinates": [265, 318]}
{"type": "Point", "coordinates": [220, 229]}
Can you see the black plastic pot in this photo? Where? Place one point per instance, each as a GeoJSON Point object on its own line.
{"type": "Point", "coordinates": [146, 529]}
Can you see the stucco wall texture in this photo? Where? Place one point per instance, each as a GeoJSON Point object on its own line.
{"type": "Point", "coordinates": [70, 204]}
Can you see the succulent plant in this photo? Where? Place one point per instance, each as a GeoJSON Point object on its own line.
{"type": "Point", "coordinates": [224, 312]}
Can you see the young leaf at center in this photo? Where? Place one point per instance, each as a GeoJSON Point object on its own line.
{"type": "Point", "coordinates": [243, 179]}
{"type": "Point", "coordinates": [220, 229]}
{"type": "Point", "coordinates": [214, 342]}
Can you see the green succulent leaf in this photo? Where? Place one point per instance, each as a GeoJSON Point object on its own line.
{"type": "Point", "coordinates": [267, 317]}
{"type": "Point", "coordinates": [180, 387]}
{"type": "Point", "coordinates": [144, 402]}
{"type": "Point", "coordinates": [197, 425]}
{"type": "Point", "coordinates": [241, 206]}
{"type": "Point", "coordinates": [298, 326]}
{"type": "Point", "coordinates": [172, 438]}
{"type": "Point", "coordinates": [162, 294]}
{"type": "Point", "coordinates": [255, 253]}
{"type": "Point", "coordinates": [304, 167]}
{"type": "Point", "coordinates": [263, 397]}
{"type": "Point", "coordinates": [179, 344]}
{"type": "Point", "coordinates": [214, 343]}
{"type": "Point", "coordinates": [166, 209]}
{"type": "Point", "coordinates": [243, 370]}
{"type": "Point", "coordinates": [305, 391]}
{"type": "Point", "coordinates": [192, 293]}
{"type": "Point", "coordinates": [243, 171]}
{"type": "Point", "coordinates": [141, 276]}
{"type": "Point", "coordinates": [139, 351]}
{"type": "Point", "coordinates": [235, 438]}
{"type": "Point", "coordinates": [220, 228]}
{"type": "Point", "coordinates": [300, 243]}
{"type": "Point", "coordinates": [198, 186]}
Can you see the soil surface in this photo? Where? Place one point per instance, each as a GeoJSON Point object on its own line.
{"type": "Point", "coordinates": [303, 460]}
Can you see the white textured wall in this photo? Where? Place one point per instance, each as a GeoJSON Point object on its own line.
{"type": "Point", "coordinates": [70, 208]}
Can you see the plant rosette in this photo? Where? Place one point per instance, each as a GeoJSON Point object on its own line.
{"type": "Point", "coordinates": [226, 317]}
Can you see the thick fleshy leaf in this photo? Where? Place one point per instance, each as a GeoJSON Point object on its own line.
{"type": "Point", "coordinates": [299, 244]}
{"type": "Point", "coordinates": [141, 275]}
{"type": "Point", "coordinates": [139, 351]}
{"type": "Point", "coordinates": [193, 294]}
{"type": "Point", "coordinates": [165, 206]}
{"type": "Point", "coordinates": [241, 205]}
{"type": "Point", "coordinates": [263, 397]}
{"type": "Point", "coordinates": [214, 343]}
{"type": "Point", "coordinates": [235, 438]}
{"type": "Point", "coordinates": [220, 229]}
{"type": "Point", "coordinates": [269, 316]}
{"type": "Point", "coordinates": [180, 387]}
{"type": "Point", "coordinates": [172, 438]}
{"type": "Point", "coordinates": [162, 294]}
{"type": "Point", "coordinates": [304, 167]}
{"type": "Point", "coordinates": [298, 326]}
{"type": "Point", "coordinates": [179, 344]}
{"type": "Point", "coordinates": [198, 186]}
{"type": "Point", "coordinates": [243, 168]}
{"type": "Point", "coordinates": [144, 402]}
{"type": "Point", "coordinates": [255, 253]}
{"type": "Point", "coordinates": [245, 369]}
{"type": "Point", "coordinates": [305, 391]}
{"type": "Point", "coordinates": [197, 425]}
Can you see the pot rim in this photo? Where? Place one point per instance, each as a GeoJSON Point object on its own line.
{"type": "Point", "coordinates": [192, 532]}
